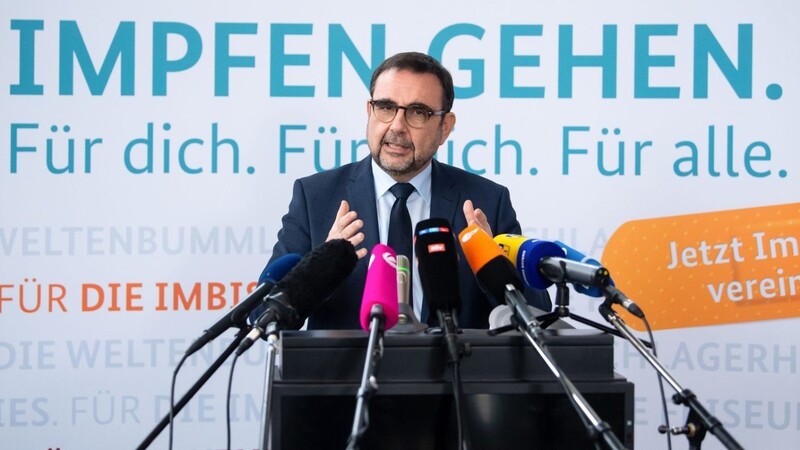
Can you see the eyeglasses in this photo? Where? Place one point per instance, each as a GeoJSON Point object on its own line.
{"type": "Point", "coordinates": [416, 115]}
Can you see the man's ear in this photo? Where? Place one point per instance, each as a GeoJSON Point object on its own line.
{"type": "Point", "coordinates": [448, 123]}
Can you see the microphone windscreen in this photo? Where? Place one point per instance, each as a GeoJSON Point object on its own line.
{"type": "Point", "coordinates": [500, 316]}
{"type": "Point", "coordinates": [270, 276]}
{"type": "Point", "coordinates": [403, 276]}
{"type": "Point", "coordinates": [575, 255]}
{"type": "Point", "coordinates": [478, 247]}
{"type": "Point", "coordinates": [437, 263]}
{"type": "Point", "coordinates": [278, 269]}
{"type": "Point", "coordinates": [309, 284]}
{"type": "Point", "coordinates": [493, 271]}
{"type": "Point", "coordinates": [525, 254]}
{"type": "Point", "coordinates": [380, 287]}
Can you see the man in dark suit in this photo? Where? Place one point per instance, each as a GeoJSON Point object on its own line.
{"type": "Point", "coordinates": [408, 118]}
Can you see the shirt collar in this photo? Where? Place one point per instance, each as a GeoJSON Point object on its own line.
{"type": "Point", "coordinates": [421, 182]}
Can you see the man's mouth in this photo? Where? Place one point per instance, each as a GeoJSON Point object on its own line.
{"type": "Point", "coordinates": [397, 146]}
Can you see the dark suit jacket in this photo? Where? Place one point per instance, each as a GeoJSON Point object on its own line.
{"type": "Point", "coordinates": [315, 201]}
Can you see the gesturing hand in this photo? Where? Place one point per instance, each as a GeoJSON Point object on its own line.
{"type": "Point", "coordinates": [476, 216]}
{"type": "Point", "coordinates": [348, 226]}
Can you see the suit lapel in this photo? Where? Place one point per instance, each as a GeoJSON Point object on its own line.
{"type": "Point", "coordinates": [361, 196]}
{"type": "Point", "coordinates": [444, 195]}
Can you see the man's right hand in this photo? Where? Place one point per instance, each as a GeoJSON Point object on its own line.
{"type": "Point", "coordinates": [348, 226]}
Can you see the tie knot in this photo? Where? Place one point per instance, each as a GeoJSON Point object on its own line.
{"type": "Point", "coordinates": [402, 190]}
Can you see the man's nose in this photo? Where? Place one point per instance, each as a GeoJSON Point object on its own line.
{"type": "Point", "coordinates": [399, 123]}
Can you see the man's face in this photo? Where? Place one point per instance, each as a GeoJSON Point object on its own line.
{"type": "Point", "coordinates": [400, 150]}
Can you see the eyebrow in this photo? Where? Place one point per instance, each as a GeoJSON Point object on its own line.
{"type": "Point", "coordinates": [416, 104]}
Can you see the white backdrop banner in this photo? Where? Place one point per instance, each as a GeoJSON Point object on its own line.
{"type": "Point", "coordinates": [149, 148]}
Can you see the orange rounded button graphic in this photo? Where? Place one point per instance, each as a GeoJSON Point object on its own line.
{"type": "Point", "coordinates": [711, 268]}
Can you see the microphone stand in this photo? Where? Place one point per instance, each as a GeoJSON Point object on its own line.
{"type": "Point", "coordinates": [699, 419]}
{"type": "Point", "coordinates": [407, 322]}
{"type": "Point", "coordinates": [193, 390]}
{"type": "Point", "coordinates": [599, 430]}
{"type": "Point", "coordinates": [562, 310]}
{"type": "Point", "coordinates": [369, 383]}
{"type": "Point", "coordinates": [269, 376]}
{"type": "Point", "coordinates": [455, 353]}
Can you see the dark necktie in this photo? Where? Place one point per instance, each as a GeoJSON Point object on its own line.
{"type": "Point", "coordinates": [400, 232]}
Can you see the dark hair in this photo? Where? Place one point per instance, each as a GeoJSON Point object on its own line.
{"type": "Point", "coordinates": [418, 63]}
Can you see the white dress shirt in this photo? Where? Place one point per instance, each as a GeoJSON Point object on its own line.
{"type": "Point", "coordinates": [419, 208]}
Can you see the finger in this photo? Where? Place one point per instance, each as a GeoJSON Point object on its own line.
{"type": "Point", "coordinates": [482, 221]}
{"type": "Point", "coordinates": [344, 208]}
{"type": "Point", "coordinates": [346, 220]}
{"type": "Point", "coordinates": [475, 216]}
{"type": "Point", "coordinates": [341, 213]}
{"type": "Point", "coordinates": [357, 239]}
{"type": "Point", "coordinates": [469, 211]}
{"type": "Point", "coordinates": [341, 223]}
{"type": "Point", "coordinates": [351, 229]}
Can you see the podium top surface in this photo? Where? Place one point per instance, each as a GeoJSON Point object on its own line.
{"type": "Point", "coordinates": [337, 356]}
{"type": "Point", "coordinates": [346, 338]}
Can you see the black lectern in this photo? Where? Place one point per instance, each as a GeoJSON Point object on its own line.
{"type": "Point", "coordinates": [511, 398]}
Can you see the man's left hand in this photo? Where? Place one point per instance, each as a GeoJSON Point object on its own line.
{"type": "Point", "coordinates": [477, 217]}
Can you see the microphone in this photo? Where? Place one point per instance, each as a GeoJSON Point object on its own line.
{"type": "Point", "coordinates": [492, 270]}
{"type": "Point", "coordinates": [378, 312]}
{"type": "Point", "coordinates": [403, 276]}
{"type": "Point", "coordinates": [407, 321]}
{"type": "Point", "coordinates": [610, 291]}
{"type": "Point", "coordinates": [304, 289]}
{"type": "Point", "coordinates": [500, 316]}
{"type": "Point", "coordinates": [237, 316]}
{"type": "Point", "coordinates": [616, 296]}
{"type": "Point", "coordinates": [542, 263]}
{"type": "Point", "coordinates": [497, 277]}
{"type": "Point", "coordinates": [575, 255]}
{"type": "Point", "coordinates": [437, 259]}
{"type": "Point", "coordinates": [380, 289]}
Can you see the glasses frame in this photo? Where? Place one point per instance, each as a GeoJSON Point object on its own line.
{"type": "Point", "coordinates": [428, 112]}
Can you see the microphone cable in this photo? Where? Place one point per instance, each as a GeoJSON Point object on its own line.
{"type": "Point", "coordinates": [228, 402]}
{"type": "Point", "coordinates": [458, 396]}
{"type": "Point", "coordinates": [660, 383]}
{"type": "Point", "coordinates": [660, 379]}
{"type": "Point", "coordinates": [172, 397]}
